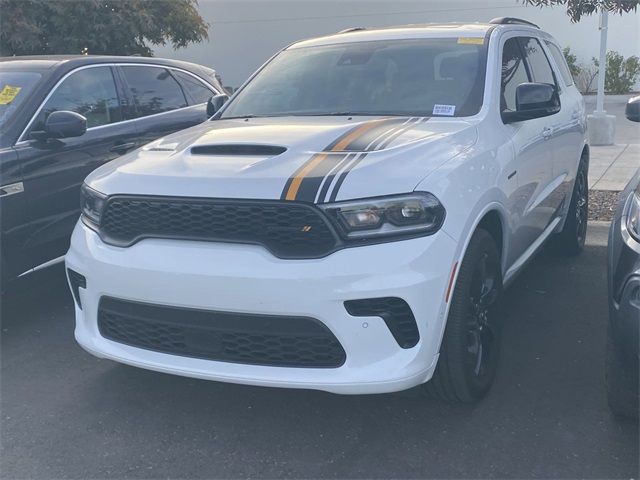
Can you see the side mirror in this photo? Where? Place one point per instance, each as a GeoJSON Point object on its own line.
{"type": "Point", "coordinates": [62, 124]}
{"type": "Point", "coordinates": [533, 100]}
{"type": "Point", "coordinates": [215, 103]}
{"type": "Point", "coordinates": [632, 112]}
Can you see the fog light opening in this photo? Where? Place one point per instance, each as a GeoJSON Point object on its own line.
{"type": "Point", "coordinates": [76, 281]}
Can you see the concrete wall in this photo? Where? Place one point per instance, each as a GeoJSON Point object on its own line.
{"type": "Point", "coordinates": [245, 33]}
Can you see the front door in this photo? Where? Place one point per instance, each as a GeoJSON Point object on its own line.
{"type": "Point", "coordinates": [532, 211]}
{"type": "Point", "coordinates": [53, 170]}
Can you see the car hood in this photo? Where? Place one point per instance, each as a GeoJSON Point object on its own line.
{"type": "Point", "coordinates": [311, 159]}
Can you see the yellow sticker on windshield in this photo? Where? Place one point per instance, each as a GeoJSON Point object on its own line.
{"type": "Point", "coordinates": [8, 93]}
{"type": "Point", "coordinates": [471, 40]}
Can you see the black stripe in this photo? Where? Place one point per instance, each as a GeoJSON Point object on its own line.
{"type": "Point", "coordinates": [386, 141]}
{"type": "Point", "coordinates": [343, 175]}
{"type": "Point", "coordinates": [332, 174]}
{"type": "Point", "coordinates": [361, 143]}
{"type": "Point", "coordinates": [400, 132]}
{"type": "Point", "coordinates": [345, 161]}
{"type": "Point", "coordinates": [283, 195]}
{"type": "Point", "coordinates": [311, 182]}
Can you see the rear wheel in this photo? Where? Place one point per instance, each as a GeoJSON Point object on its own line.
{"type": "Point", "coordinates": [471, 344]}
{"type": "Point", "coordinates": [570, 241]}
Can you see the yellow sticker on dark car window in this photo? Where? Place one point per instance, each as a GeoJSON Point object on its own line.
{"type": "Point", "coordinates": [8, 93]}
{"type": "Point", "coordinates": [471, 40]}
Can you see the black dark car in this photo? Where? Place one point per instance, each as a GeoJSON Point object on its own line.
{"type": "Point", "coordinates": [623, 356]}
{"type": "Point", "coordinates": [105, 106]}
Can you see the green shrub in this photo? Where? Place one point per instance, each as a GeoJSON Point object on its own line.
{"type": "Point", "coordinates": [621, 73]}
{"type": "Point", "coordinates": [572, 62]}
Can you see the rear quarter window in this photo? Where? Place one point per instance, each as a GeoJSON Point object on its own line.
{"type": "Point", "coordinates": [197, 91]}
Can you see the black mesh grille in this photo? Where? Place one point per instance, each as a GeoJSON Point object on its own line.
{"type": "Point", "coordinates": [395, 312]}
{"type": "Point", "coordinates": [288, 230]}
{"type": "Point", "coordinates": [222, 336]}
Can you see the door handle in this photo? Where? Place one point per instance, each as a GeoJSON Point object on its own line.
{"type": "Point", "coordinates": [547, 132]}
{"type": "Point", "coordinates": [12, 189]}
{"type": "Point", "coordinates": [122, 147]}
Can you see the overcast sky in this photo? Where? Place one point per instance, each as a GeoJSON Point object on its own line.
{"type": "Point", "coordinates": [245, 33]}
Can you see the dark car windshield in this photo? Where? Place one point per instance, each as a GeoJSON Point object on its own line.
{"type": "Point", "coordinates": [14, 89]}
{"type": "Point", "coordinates": [435, 76]}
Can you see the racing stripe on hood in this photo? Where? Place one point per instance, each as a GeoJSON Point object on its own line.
{"type": "Point", "coordinates": [382, 143]}
{"type": "Point", "coordinates": [306, 182]}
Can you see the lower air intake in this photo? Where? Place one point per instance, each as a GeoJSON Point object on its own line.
{"type": "Point", "coordinates": [227, 337]}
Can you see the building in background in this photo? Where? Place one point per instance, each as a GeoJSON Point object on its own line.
{"type": "Point", "coordinates": [245, 33]}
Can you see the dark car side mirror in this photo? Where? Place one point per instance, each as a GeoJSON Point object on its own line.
{"type": "Point", "coordinates": [632, 111]}
{"type": "Point", "coordinates": [533, 100]}
{"type": "Point", "coordinates": [62, 124]}
{"type": "Point", "coordinates": [215, 103]}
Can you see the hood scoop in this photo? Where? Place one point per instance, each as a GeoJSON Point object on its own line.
{"type": "Point", "coordinates": [243, 150]}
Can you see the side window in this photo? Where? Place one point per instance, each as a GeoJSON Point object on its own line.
{"type": "Point", "coordinates": [538, 61]}
{"type": "Point", "coordinates": [153, 89]}
{"type": "Point", "coordinates": [90, 92]}
{"type": "Point", "coordinates": [560, 62]}
{"type": "Point", "coordinates": [514, 72]}
{"type": "Point", "coordinates": [197, 91]}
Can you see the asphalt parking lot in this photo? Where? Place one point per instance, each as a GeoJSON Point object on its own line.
{"type": "Point", "coordinates": [66, 414]}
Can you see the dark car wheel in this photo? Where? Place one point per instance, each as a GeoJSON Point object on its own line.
{"type": "Point", "coordinates": [621, 381]}
{"type": "Point", "coordinates": [471, 344]}
{"type": "Point", "coordinates": [570, 241]}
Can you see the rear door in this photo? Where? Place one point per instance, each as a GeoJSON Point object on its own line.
{"type": "Point", "coordinates": [568, 127]}
{"type": "Point", "coordinates": [533, 156]}
{"type": "Point", "coordinates": [53, 170]}
{"type": "Point", "coordinates": [163, 100]}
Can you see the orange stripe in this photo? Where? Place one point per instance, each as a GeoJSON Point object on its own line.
{"type": "Point", "coordinates": [453, 274]}
{"type": "Point", "coordinates": [297, 180]}
{"type": "Point", "coordinates": [317, 159]}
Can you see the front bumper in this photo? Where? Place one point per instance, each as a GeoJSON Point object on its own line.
{"type": "Point", "coordinates": [248, 279]}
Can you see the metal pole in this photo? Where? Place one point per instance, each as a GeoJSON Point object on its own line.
{"type": "Point", "coordinates": [604, 22]}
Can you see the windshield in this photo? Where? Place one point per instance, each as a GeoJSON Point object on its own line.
{"type": "Point", "coordinates": [443, 76]}
{"type": "Point", "coordinates": [14, 89]}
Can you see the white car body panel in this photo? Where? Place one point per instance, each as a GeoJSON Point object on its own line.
{"type": "Point", "coordinates": [523, 173]}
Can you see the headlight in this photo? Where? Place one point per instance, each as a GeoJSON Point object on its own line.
{"type": "Point", "coordinates": [91, 204]}
{"type": "Point", "coordinates": [633, 215]}
{"type": "Point", "coordinates": [418, 213]}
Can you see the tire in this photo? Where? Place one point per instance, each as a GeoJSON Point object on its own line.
{"type": "Point", "coordinates": [570, 241]}
{"type": "Point", "coordinates": [621, 382]}
{"type": "Point", "coordinates": [470, 346]}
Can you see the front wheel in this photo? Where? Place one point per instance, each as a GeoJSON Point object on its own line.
{"type": "Point", "coordinates": [471, 344]}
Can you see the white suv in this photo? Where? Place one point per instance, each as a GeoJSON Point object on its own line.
{"type": "Point", "coordinates": [347, 221]}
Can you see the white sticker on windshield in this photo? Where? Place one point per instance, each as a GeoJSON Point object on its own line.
{"type": "Point", "coordinates": [446, 110]}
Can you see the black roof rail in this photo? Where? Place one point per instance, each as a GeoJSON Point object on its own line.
{"type": "Point", "coordinates": [511, 21]}
{"type": "Point", "coordinates": [352, 29]}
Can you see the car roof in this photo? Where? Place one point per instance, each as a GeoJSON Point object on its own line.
{"type": "Point", "coordinates": [407, 32]}
{"type": "Point", "coordinates": [47, 62]}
